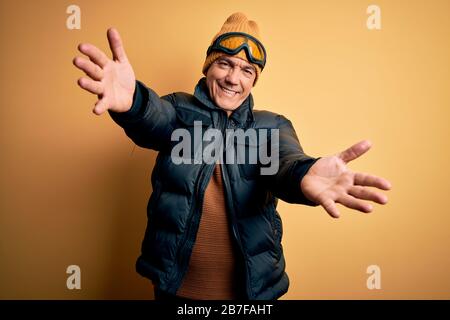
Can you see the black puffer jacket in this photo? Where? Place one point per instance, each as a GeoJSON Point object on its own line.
{"type": "Point", "coordinates": [174, 208]}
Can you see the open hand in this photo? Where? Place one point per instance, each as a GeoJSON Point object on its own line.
{"type": "Point", "coordinates": [330, 181]}
{"type": "Point", "coordinates": [112, 80]}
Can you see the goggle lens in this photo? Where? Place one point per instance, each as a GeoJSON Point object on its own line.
{"type": "Point", "coordinates": [234, 42]}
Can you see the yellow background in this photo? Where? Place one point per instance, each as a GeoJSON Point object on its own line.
{"type": "Point", "coordinates": [74, 188]}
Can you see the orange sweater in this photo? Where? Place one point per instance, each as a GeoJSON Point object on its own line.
{"type": "Point", "coordinates": [211, 274]}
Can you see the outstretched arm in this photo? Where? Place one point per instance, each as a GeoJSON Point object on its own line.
{"type": "Point", "coordinates": [330, 181]}
{"type": "Point", "coordinates": [145, 117]}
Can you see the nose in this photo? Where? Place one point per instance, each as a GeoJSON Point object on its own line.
{"type": "Point", "coordinates": [232, 77]}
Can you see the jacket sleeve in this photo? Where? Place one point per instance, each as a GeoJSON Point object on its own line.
{"type": "Point", "coordinates": [293, 166]}
{"type": "Point", "coordinates": [150, 120]}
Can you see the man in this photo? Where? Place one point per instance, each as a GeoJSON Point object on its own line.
{"type": "Point", "coordinates": [213, 230]}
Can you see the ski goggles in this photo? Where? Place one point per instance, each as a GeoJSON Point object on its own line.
{"type": "Point", "coordinates": [233, 42]}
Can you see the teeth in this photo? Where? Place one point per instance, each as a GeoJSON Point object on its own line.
{"type": "Point", "coordinates": [228, 92]}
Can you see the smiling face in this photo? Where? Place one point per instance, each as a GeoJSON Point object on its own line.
{"type": "Point", "coordinates": [230, 80]}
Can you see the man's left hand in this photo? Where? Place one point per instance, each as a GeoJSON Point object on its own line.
{"type": "Point", "coordinates": [330, 181]}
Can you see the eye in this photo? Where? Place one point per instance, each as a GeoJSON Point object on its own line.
{"type": "Point", "coordinates": [223, 63]}
{"type": "Point", "coordinates": [248, 72]}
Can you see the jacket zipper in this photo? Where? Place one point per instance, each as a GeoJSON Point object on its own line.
{"type": "Point", "coordinates": [237, 237]}
{"type": "Point", "coordinates": [230, 205]}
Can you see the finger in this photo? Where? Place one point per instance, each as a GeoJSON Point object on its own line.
{"type": "Point", "coordinates": [90, 68]}
{"type": "Point", "coordinates": [353, 203]}
{"type": "Point", "coordinates": [90, 85]}
{"type": "Point", "coordinates": [368, 180]}
{"type": "Point", "coordinates": [355, 151]}
{"type": "Point", "coordinates": [95, 54]}
{"type": "Point", "coordinates": [367, 194]}
{"type": "Point", "coordinates": [115, 43]}
{"type": "Point", "coordinates": [330, 206]}
{"type": "Point", "coordinates": [101, 106]}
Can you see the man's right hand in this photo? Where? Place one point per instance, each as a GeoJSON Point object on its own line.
{"type": "Point", "coordinates": [113, 81]}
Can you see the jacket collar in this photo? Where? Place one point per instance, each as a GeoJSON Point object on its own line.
{"type": "Point", "coordinates": [243, 114]}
